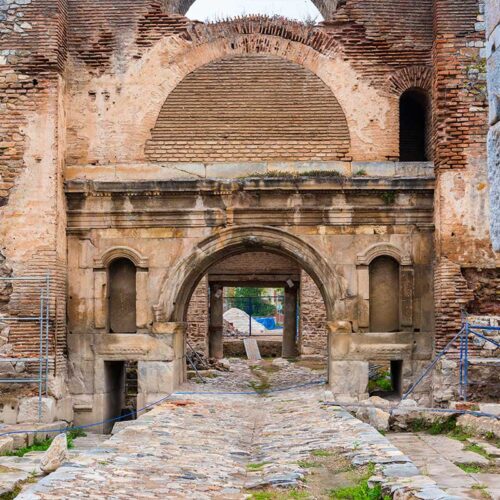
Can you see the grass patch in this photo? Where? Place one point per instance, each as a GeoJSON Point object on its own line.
{"type": "Point", "coordinates": [448, 427]}
{"type": "Point", "coordinates": [471, 468]}
{"type": "Point", "coordinates": [307, 464]}
{"type": "Point", "coordinates": [360, 173]}
{"type": "Point", "coordinates": [321, 453]}
{"type": "Point", "coordinates": [10, 495]}
{"type": "Point", "coordinates": [477, 449]}
{"type": "Point", "coordinates": [260, 387]}
{"type": "Point", "coordinates": [36, 446]}
{"type": "Point", "coordinates": [389, 197]}
{"type": "Point", "coordinates": [360, 491]}
{"type": "Point", "coordinates": [43, 445]}
{"type": "Point", "coordinates": [381, 383]}
{"type": "Point", "coordinates": [459, 434]}
{"type": "Point", "coordinates": [258, 466]}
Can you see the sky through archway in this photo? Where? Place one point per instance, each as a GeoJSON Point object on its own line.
{"type": "Point", "coordinates": [215, 10]}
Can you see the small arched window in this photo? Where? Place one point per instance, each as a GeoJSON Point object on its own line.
{"type": "Point", "coordinates": [122, 296]}
{"type": "Point", "coordinates": [414, 120]}
{"type": "Point", "coordinates": [384, 294]}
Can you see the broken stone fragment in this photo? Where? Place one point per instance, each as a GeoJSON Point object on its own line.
{"type": "Point", "coordinates": [6, 444]}
{"type": "Point", "coordinates": [379, 419]}
{"type": "Point", "coordinates": [280, 362]}
{"type": "Point", "coordinates": [56, 455]}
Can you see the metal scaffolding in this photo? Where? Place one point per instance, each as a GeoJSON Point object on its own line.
{"type": "Point", "coordinates": [467, 333]}
{"type": "Point", "coordinates": [42, 322]}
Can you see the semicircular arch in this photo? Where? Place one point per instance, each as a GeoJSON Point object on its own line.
{"type": "Point", "coordinates": [182, 279]}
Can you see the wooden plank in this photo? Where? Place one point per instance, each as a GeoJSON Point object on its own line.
{"type": "Point", "coordinates": [252, 349]}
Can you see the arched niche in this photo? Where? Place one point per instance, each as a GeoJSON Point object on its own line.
{"type": "Point", "coordinates": [414, 125]}
{"type": "Point", "coordinates": [104, 269]}
{"type": "Point", "coordinates": [250, 108]}
{"type": "Point", "coordinates": [122, 296]}
{"type": "Point", "coordinates": [397, 267]}
{"type": "Point", "coordinates": [384, 294]}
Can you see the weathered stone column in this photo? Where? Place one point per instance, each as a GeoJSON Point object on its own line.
{"type": "Point", "coordinates": [289, 348]}
{"type": "Point", "coordinates": [163, 370]}
{"type": "Point", "coordinates": [215, 330]}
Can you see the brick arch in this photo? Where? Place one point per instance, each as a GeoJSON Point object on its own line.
{"type": "Point", "coordinates": [326, 7]}
{"type": "Point", "coordinates": [411, 77]}
{"type": "Point", "coordinates": [182, 279]}
{"type": "Point", "coordinates": [252, 107]}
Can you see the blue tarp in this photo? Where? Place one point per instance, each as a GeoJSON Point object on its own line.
{"type": "Point", "coordinates": [267, 323]}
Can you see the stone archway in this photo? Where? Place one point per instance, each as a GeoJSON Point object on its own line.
{"type": "Point", "coordinates": [182, 279]}
{"type": "Point", "coordinates": [346, 375]}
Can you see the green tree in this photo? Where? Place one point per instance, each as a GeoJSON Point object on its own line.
{"type": "Point", "coordinates": [253, 301]}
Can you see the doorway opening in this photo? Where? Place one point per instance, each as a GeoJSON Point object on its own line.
{"type": "Point", "coordinates": [386, 379]}
{"type": "Point", "coordinates": [262, 296]}
{"type": "Point", "coordinates": [120, 388]}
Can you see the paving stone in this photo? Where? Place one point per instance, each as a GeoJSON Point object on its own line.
{"type": "Point", "coordinates": [208, 443]}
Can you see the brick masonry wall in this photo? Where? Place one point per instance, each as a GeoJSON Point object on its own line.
{"type": "Point", "coordinates": [32, 217]}
{"type": "Point", "coordinates": [459, 141]}
{"type": "Point", "coordinates": [313, 338]}
{"type": "Point", "coordinates": [250, 108]}
{"type": "Point", "coordinates": [250, 263]}
{"type": "Point", "coordinates": [367, 54]}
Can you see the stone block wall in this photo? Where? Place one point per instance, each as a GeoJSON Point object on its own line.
{"type": "Point", "coordinates": [197, 317]}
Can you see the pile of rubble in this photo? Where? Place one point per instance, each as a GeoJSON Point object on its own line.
{"type": "Point", "coordinates": [202, 362]}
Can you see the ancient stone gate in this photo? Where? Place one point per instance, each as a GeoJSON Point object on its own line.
{"type": "Point", "coordinates": [141, 148]}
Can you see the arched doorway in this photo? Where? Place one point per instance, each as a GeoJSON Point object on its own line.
{"type": "Point", "coordinates": [262, 296]}
{"type": "Point", "coordinates": [182, 279]}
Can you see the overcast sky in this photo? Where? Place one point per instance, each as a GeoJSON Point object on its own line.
{"type": "Point", "coordinates": [213, 10]}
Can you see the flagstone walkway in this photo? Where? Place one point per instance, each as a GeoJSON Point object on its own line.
{"type": "Point", "coordinates": [233, 445]}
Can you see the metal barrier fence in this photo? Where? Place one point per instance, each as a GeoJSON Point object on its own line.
{"type": "Point", "coordinates": [42, 325]}
{"type": "Point", "coordinates": [256, 315]}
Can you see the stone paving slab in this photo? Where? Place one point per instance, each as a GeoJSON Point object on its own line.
{"type": "Point", "coordinates": [436, 457]}
{"type": "Point", "coordinates": [205, 446]}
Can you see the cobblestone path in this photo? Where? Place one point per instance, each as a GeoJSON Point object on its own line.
{"type": "Point", "coordinates": [225, 446]}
